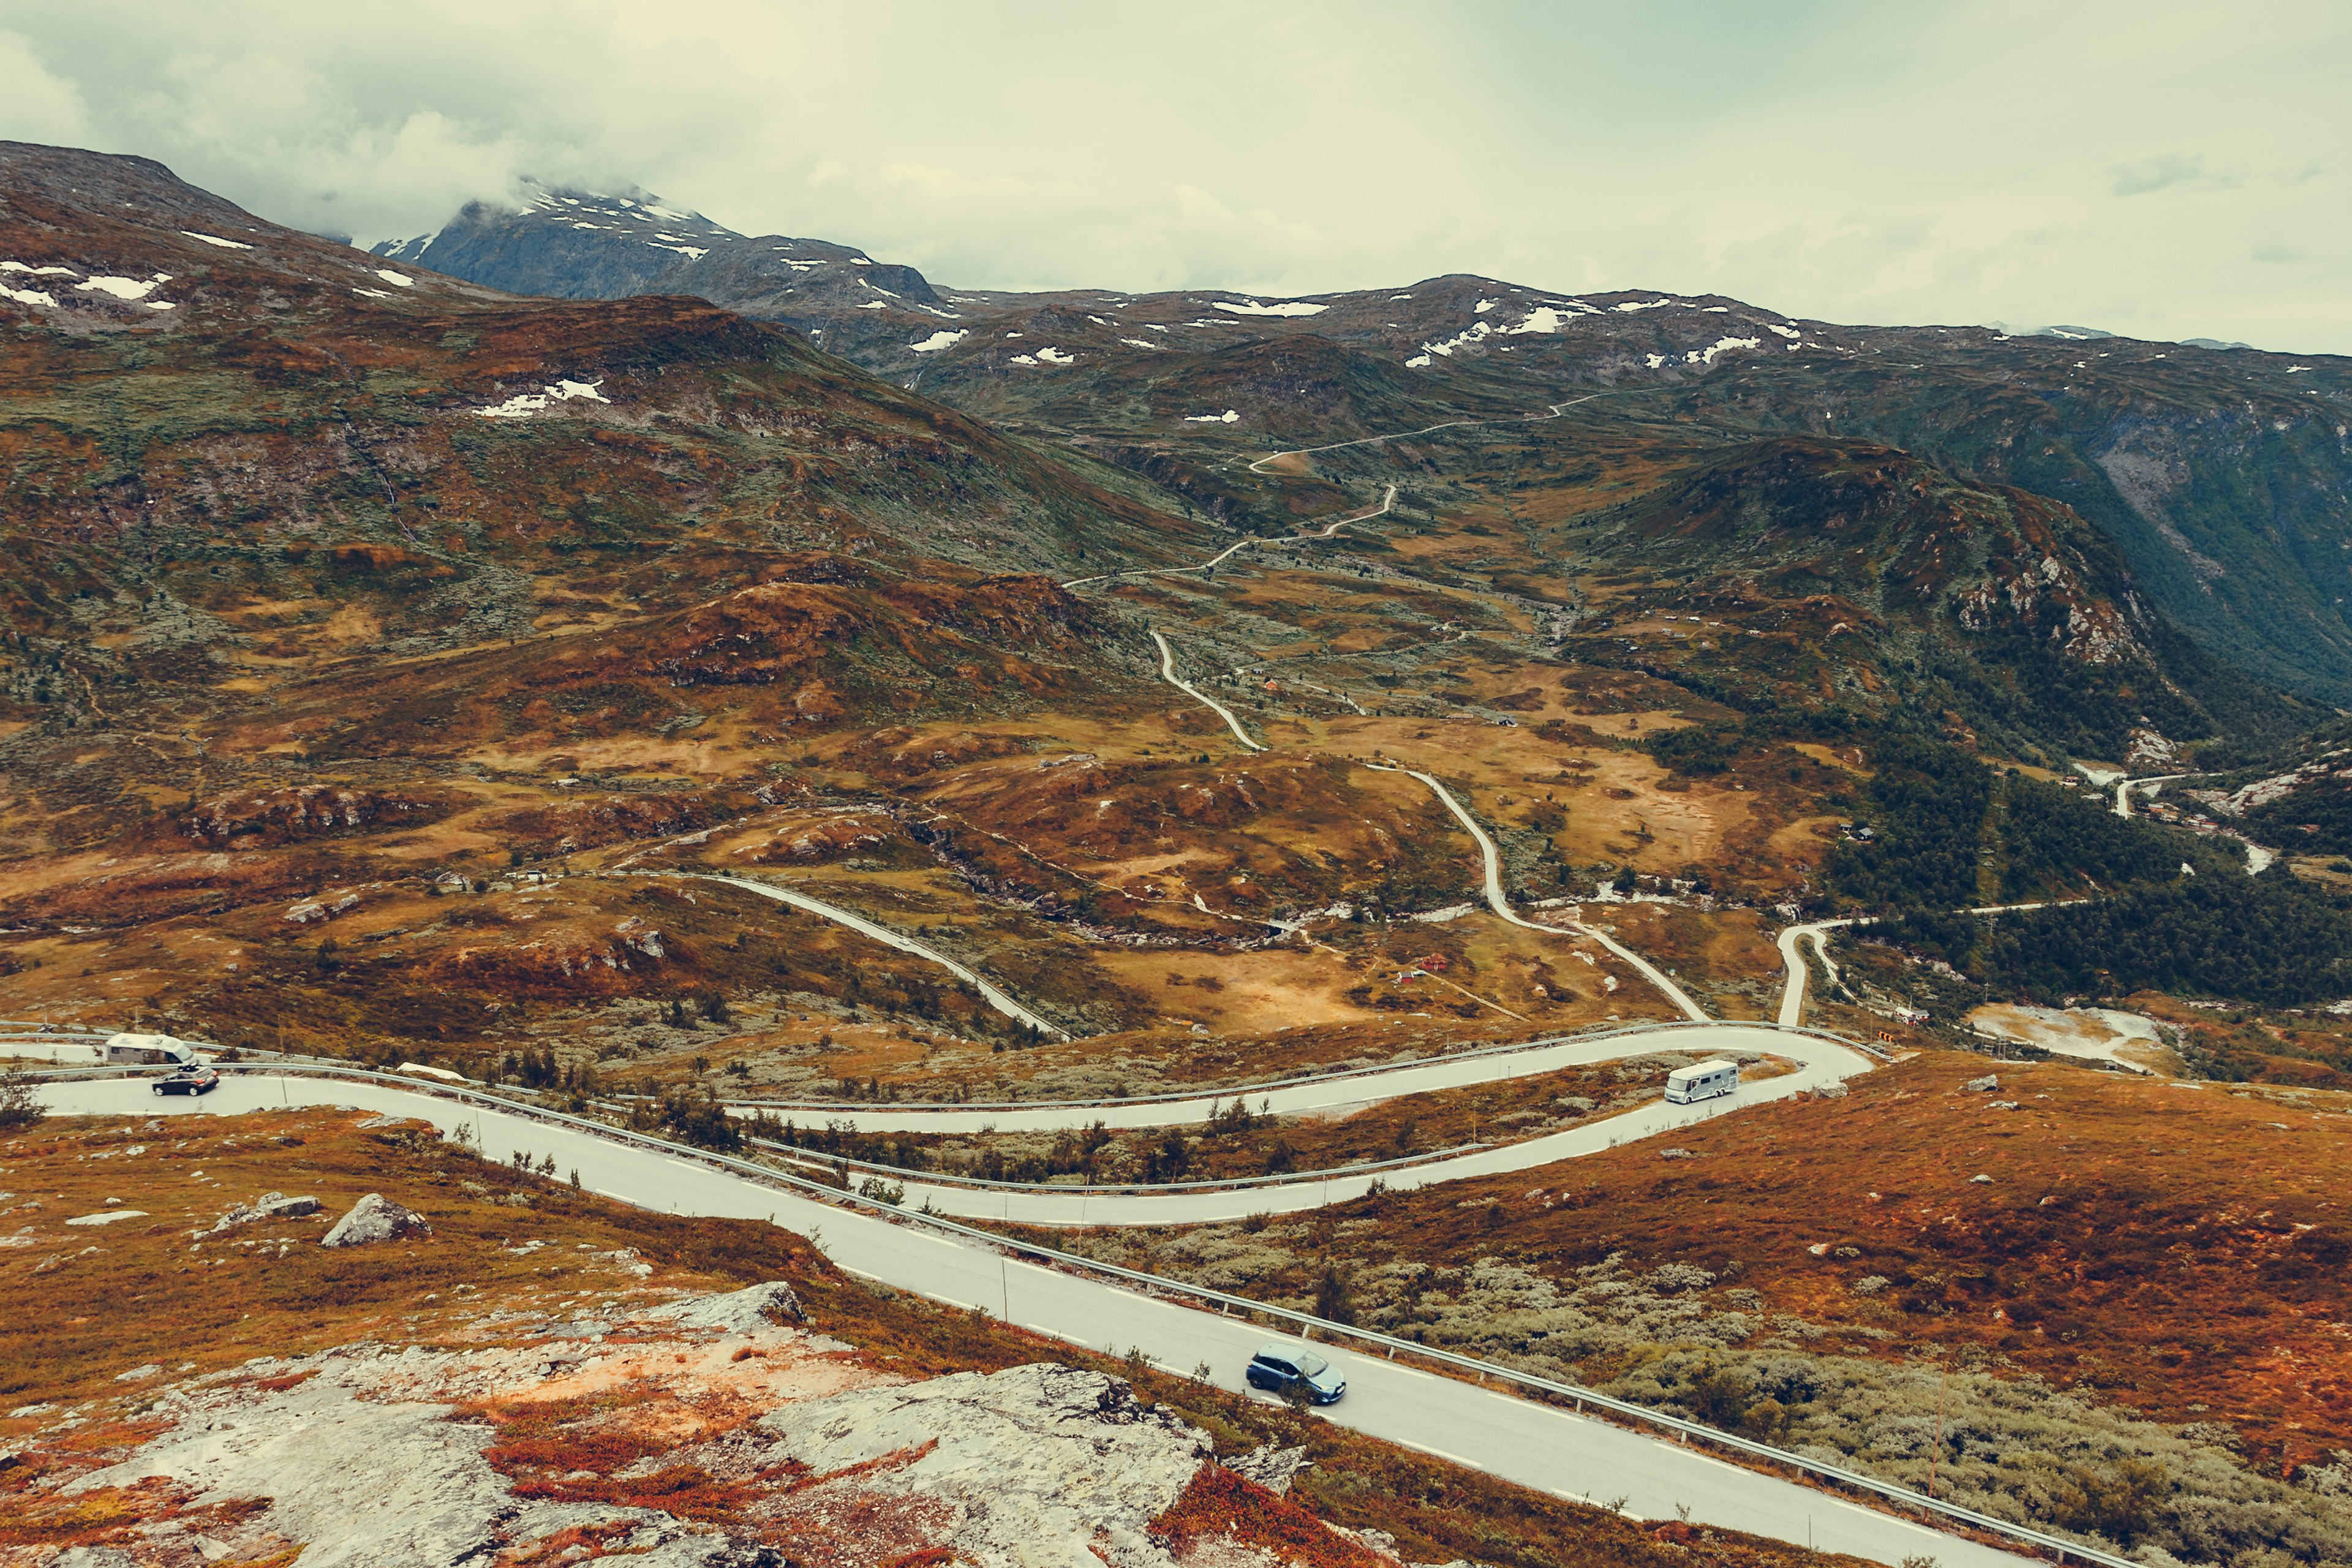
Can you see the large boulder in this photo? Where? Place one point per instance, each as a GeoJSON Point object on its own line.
{"type": "Point", "coordinates": [269, 1206]}
{"type": "Point", "coordinates": [1040, 1463]}
{"type": "Point", "coordinates": [743, 1312]}
{"type": "Point", "coordinates": [375, 1218]}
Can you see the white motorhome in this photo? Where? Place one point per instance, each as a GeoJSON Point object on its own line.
{"type": "Point", "coordinates": [147, 1051]}
{"type": "Point", "coordinates": [1703, 1080]}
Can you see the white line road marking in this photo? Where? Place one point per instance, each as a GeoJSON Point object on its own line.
{"type": "Point", "coordinates": [1514, 1448]}
{"type": "Point", "coordinates": [1439, 1454]}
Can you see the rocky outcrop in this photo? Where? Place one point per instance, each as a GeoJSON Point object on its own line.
{"type": "Point", "coordinates": [266, 819]}
{"type": "Point", "coordinates": [1022, 1458]}
{"type": "Point", "coordinates": [375, 1218]}
{"type": "Point", "coordinates": [1270, 1466]}
{"type": "Point", "coordinates": [269, 1206]}
{"type": "Point", "coordinates": [737, 1313]}
{"type": "Point", "coordinates": [590, 245]}
{"type": "Point", "coordinates": [370, 1454]}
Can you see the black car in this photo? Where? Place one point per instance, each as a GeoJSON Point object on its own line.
{"type": "Point", "coordinates": [1278, 1369]}
{"type": "Point", "coordinates": [196, 1080]}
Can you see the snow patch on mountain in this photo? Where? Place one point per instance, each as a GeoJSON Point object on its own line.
{"type": "Point", "coordinates": [524, 404]}
{"type": "Point", "coordinates": [1228, 417]}
{"type": "Point", "coordinates": [1630, 305]}
{"type": "Point", "coordinates": [938, 341]}
{"type": "Point", "coordinates": [397, 279]}
{"type": "Point", "coordinates": [1478, 329]}
{"type": "Point", "coordinates": [1549, 318]}
{"type": "Point", "coordinates": [216, 239]}
{"type": "Point", "coordinates": [1250, 308]}
{"type": "Point", "coordinates": [1720, 345]}
{"type": "Point", "coordinates": [126, 288]}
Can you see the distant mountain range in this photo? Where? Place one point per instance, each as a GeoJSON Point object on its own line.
{"type": "Point", "coordinates": [2221, 473]}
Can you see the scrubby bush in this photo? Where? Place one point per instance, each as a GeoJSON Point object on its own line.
{"type": "Point", "coordinates": [2011, 1447]}
{"type": "Point", "coordinates": [20, 1104]}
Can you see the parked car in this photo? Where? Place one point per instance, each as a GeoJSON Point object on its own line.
{"type": "Point", "coordinates": [1279, 1369]}
{"type": "Point", "coordinates": [197, 1078]}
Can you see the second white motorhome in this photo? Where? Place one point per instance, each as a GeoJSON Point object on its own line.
{"type": "Point", "coordinates": [1704, 1080]}
{"type": "Point", "coordinates": [147, 1051]}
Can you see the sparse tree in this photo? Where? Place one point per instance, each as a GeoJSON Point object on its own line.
{"type": "Point", "coordinates": [1332, 1303]}
{"type": "Point", "coordinates": [20, 1104]}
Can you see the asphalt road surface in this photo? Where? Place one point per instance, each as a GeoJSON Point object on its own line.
{"type": "Point", "coordinates": [1792, 996]}
{"type": "Point", "coordinates": [1501, 905]}
{"type": "Point", "coordinates": [1820, 1061]}
{"type": "Point", "coordinates": [1513, 1439]}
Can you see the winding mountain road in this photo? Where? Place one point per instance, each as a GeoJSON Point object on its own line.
{"type": "Point", "coordinates": [1489, 857]}
{"type": "Point", "coordinates": [2124, 786]}
{"type": "Point", "coordinates": [1792, 996]}
{"type": "Point", "coordinates": [1326, 532]}
{"type": "Point", "coordinates": [1820, 1061]}
{"type": "Point", "coordinates": [1168, 673]}
{"type": "Point", "coordinates": [995, 997]}
{"type": "Point", "coordinates": [1515, 1439]}
{"type": "Point", "coordinates": [1554, 411]}
{"type": "Point", "coordinates": [1501, 905]}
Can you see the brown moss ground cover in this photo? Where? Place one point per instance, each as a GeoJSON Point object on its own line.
{"type": "Point", "coordinates": [2308, 1048]}
{"type": "Point", "coordinates": [2176, 1249]}
{"type": "Point", "coordinates": [277, 1293]}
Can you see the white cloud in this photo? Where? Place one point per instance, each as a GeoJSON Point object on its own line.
{"type": "Point", "coordinates": [2116, 165]}
{"type": "Point", "coordinates": [2164, 171]}
{"type": "Point", "coordinates": [35, 105]}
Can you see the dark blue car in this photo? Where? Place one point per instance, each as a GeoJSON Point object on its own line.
{"type": "Point", "coordinates": [1278, 1369]}
{"type": "Point", "coordinates": [194, 1079]}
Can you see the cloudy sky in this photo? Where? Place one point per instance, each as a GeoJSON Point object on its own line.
{"type": "Point", "coordinates": [2161, 169]}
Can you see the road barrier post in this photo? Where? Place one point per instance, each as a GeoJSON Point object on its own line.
{"type": "Point", "coordinates": [1897, 1497]}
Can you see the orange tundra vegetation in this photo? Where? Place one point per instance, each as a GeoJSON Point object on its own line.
{"type": "Point", "coordinates": [2175, 1248]}
{"type": "Point", "coordinates": [140, 1293]}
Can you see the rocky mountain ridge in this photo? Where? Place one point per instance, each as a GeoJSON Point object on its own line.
{"type": "Point", "coordinates": [2223, 474]}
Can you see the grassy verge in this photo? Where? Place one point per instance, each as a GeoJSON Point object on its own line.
{"type": "Point", "coordinates": [2126, 1324]}
{"type": "Point", "coordinates": [140, 1292]}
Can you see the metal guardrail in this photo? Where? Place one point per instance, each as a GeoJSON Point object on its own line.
{"type": "Point", "coordinates": [1305, 1322]}
{"type": "Point", "coordinates": [1243, 1091]}
{"type": "Point", "coordinates": [1227, 1184]}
